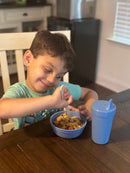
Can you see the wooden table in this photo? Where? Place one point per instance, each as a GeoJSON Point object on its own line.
{"type": "Point", "coordinates": [36, 149]}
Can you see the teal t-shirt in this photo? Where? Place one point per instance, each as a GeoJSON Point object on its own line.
{"type": "Point", "coordinates": [20, 90]}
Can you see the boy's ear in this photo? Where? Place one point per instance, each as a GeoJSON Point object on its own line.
{"type": "Point", "coordinates": [27, 58]}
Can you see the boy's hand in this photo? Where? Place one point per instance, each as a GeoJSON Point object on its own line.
{"type": "Point", "coordinates": [62, 102]}
{"type": "Point", "coordinates": [83, 110]}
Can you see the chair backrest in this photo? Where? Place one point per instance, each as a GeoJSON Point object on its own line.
{"type": "Point", "coordinates": [17, 42]}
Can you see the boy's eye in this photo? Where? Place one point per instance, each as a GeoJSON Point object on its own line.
{"type": "Point", "coordinates": [58, 76]}
{"type": "Point", "coordinates": [47, 70]}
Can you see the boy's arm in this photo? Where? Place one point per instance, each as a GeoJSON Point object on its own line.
{"type": "Point", "coordinates": [20, 107]}
{"type": "Point", "coordinates": [88, 96]}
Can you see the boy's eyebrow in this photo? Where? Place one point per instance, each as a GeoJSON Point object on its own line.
{"type": "Point", "coordinates": [50, 64]}
{"type": "Point", "coordinates": [54, 67]}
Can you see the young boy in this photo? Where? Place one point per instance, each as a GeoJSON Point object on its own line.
{"type": "Point", "coordinates": [48, 59]}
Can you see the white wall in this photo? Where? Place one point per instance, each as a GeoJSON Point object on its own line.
{"type": "Point", "coordinates": [113, 68]}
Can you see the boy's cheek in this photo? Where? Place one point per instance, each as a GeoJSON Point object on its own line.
{"type": "Point", "coordinates": [56, 83]}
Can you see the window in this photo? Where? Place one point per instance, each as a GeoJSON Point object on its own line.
{"type": "Point", "coordinates": [121, 31]}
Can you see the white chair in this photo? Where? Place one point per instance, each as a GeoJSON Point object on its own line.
{"type": "Point", "coordinates": [17, 42]}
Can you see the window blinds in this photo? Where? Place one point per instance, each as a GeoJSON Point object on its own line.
{"type": "Point", "coordinates": [122, 22]}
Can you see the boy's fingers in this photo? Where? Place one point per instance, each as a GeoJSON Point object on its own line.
{"type": "Point", "coordinates": [82, 107]}
{"type": "Point", "coordinates": [70, 99]}
{"type": "Point", "coordinates": [73, 108]}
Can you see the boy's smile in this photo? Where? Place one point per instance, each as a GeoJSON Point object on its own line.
{"type": "Point", "coordinates": [43, 72]}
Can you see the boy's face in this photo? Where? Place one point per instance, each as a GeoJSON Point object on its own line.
{"type": "Point", "coordinates": [43, 72]}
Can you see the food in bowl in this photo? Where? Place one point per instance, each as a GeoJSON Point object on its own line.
{"type": "Point", "coordinates": [68, 123]}
{"type": "Point", "coordinates": [65, 133]}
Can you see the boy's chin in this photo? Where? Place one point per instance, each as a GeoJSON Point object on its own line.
{"type": "Point", "coordinates": [42, 91]}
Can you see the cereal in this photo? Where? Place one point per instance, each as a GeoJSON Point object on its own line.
{"type": "Point", "coordinates": [71, 123]}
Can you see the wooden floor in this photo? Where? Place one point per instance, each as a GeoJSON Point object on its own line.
{"type": "Point", "coordinates": [102, 91]}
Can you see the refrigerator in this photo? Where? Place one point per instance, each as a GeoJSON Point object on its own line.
{"type": "Point", "coordinates": [85, 41]}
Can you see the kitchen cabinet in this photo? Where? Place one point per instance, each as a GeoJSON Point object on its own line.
{"type": "Point", "coordinates": [23, 14]}
{"type": "Point", "coordinates": [14, 17]}
{"type": "Point", "coordinates": [1, 16]}
{"type": "Point", "coordinates": [22, 19]}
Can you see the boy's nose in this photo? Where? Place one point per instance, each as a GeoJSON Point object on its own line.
{"type": "Point", "coordinates": [51, 78]}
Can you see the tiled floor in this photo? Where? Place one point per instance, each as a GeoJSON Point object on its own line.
{"type": "Point", "coordinates": [102, 91]}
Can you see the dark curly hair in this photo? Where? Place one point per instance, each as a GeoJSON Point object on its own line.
{"type": "Point", "coordinates": [54, 44]}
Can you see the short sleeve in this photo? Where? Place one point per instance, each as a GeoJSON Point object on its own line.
{"type": "Point", "coordinates": [17, 90]}
{"type": "Point", "coordinates": [75, 90]}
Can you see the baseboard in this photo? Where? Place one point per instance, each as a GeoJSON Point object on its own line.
{"type": "Point", "coordinates": [112, 84]}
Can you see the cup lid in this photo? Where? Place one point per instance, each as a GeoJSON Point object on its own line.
{"type": "Point", "coordinates": [103, 106]}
